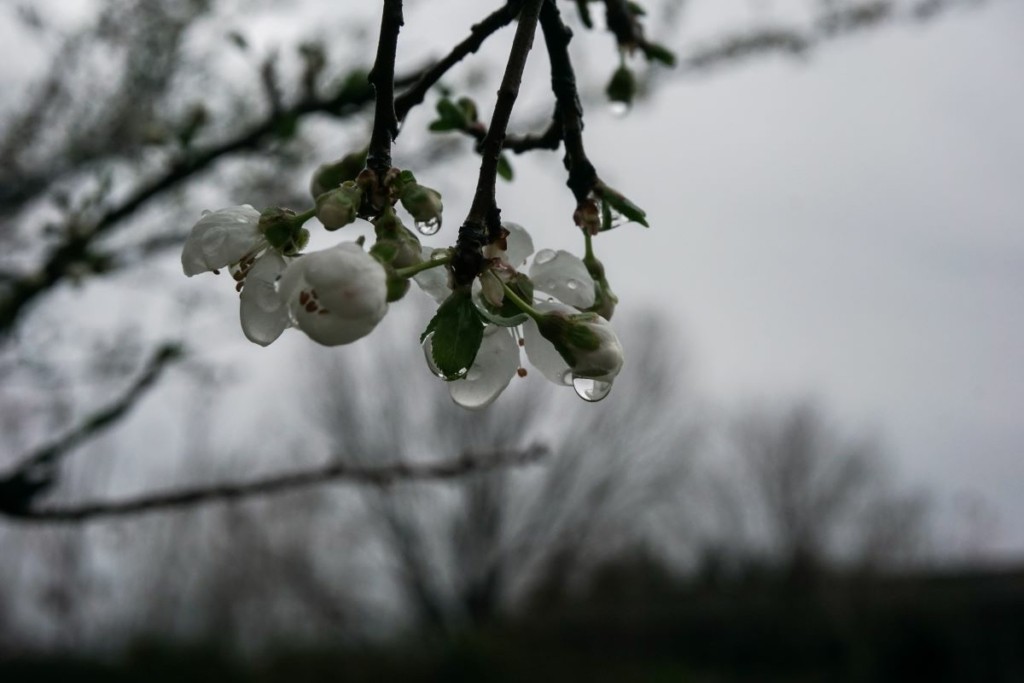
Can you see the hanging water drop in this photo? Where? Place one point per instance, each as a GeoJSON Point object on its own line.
{"type": "Point", "coordinates": [591, 390]}
{"type": "Point", "coordinates": [428, 354]}
{"type": "Point", "coordinates": [618, 109]}
{"type": "Point", "coordinates": [429, 227]}
{"type": "Point", "coordinates": [573, 284]}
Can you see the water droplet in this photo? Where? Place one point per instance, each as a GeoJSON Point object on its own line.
{"type": "Point", "coordinates": [428, 354]}
{"type": "Point", "coordinates": [567, 378]}
{"type": "Point", "coordinates": [544, 256]}
{"type": "Point", "coordinates": [438, 254]}
{"type": "Point", "coordinates": [618, 109]}
{"type": "Point", "coordinates": [573, 284]}
{"type": "Point", "coordinates": [592, 390]}
{"type": "Point", "coordinates": [473, 375]}
{"type": "Point", "coordinates": [429, 227]}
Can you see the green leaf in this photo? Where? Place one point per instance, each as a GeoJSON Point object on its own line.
{"type": "Point", "coordinates": [656, 52]}
{"type": "Point", "coordinates": [457, 332]}
{"type": "Point", "coordinates": [450, 112]}
{"type": "Point", "coordinates": [440, 126]}
{"type": "Point", "coordinates": [626, 208]}
{"type": "Point", "coordinates": [505, 168]}
{"type": "Point", "coordinates": [637, 9]}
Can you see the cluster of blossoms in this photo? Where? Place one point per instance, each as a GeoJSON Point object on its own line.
{"type": "Point", "coordinates": [556, 309]}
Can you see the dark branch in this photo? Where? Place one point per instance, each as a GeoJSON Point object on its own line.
{"type": "Point", "coordinates": [483, 213]}
{"type": "Point", "coordinates": [380, 475]}
{"type": "Point", "coordinates": [77, 248]}
{"type": "Point", "coordinates": [549, 138]}
{"type": "Point", "coordinates": [37, 472]}
{"type": "Point", "coordinates": [582, 176]}
{"type": "Point", "coordinates": [382, 77]}
{"type": "Point", "coordinates": [478, 34]}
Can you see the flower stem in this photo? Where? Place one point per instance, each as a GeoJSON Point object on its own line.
{"type": "Point", "coordinates": [518, 300]}
{"type": "Point", "coordinates": [425, 265]}
{"type": "Point", "coordinates": [301, 218]}
{"type": "Point", "coordinates": [382, 77]}
{"type": "Point", "coordinates": [588, 242]}
{"type": "Point", "coordinates": [483, 220]}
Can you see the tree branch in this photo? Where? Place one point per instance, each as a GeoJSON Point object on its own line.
{"type": "Point", "coordinates": [37, 471]}
{"type": "Point", "coordinates": [382, 77]}
{"type": "Point", "coordinates": [478, 34]}
{"type": "Point", "coordinates": [582, 176]}
{"type": "Point", "coordinates": [76, 249]}
{"type": "Point", "coordinates": [381, 475]}
{"type": "Point", "coordinates": [483, 217]}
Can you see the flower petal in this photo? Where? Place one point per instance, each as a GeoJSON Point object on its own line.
{"type": "Point", "coordinates": [221, 238]}
{"type": "Point", "coordinates": [337, 295]}
{"type": "Point", "coordinates": [434, 281]}
{"type": "Point", "coordinates": [263, 312]}
{"type": "Point", "coordinates": [563, 276]}
{"type": "Point", "coordinates": [542, 353]}
{"type": "Point", "coordinates": [520, 244]}
{"type": "Point", "coordinates": [495, 364]}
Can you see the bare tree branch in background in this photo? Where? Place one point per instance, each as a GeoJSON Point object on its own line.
{"type": "Point", "coordinates": [380, 476]}
{"type": "Point", "coordinates": [37, 471]}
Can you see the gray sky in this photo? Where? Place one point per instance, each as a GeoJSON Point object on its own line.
{"type": "Point", "coordinates": [847, 227]}
{"type": "Point", "coordinates": [851, 228]}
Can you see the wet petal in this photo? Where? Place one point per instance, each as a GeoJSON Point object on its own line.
{"type": "Point", "coordinates": [337, 295]}
{"type": "Point", "coordinates": [542, 353]}
{"type": "Point", "coordinates": [495, 364]}
{"type": "Point", "coordinates": [434, 282]}
{"type": "Point", "coordinates": [221, 238]}
{"type": "Point", "coordinates": [263, 313]}
{"type": "Point", "coordinates": [563, 276]}
{"type": "Point", "coordinates": [520, 244]}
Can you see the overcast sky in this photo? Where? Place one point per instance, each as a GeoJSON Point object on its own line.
{"type": "Point", "coordinates": [846, 226]}
{"type": "Point", "coordinates": [852, 227]}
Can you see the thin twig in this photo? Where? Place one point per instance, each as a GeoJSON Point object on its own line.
{"type": "Point", "coordinates": [582, 176]}
{"type": "Point", "coordinates": [483, 213]}
{"type": "Point", "coordinates": [382, 77]}
{"type": "Point", "coordinates": [478, 34]}
{"type": "Point", "coordinates": [380, 475]}
{"type": "Point", "coordinates": [37, 471]}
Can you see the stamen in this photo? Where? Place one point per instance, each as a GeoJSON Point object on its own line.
{"type": "Point", "coordinates": [311, 306]}
{"type": "Point", "coordinates": [521, 372]}
{"type": "Point", "coordinates": [303, 297]}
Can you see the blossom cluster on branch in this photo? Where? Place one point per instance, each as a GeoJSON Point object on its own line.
{"type": "Point", "coordinates": [490, 303]}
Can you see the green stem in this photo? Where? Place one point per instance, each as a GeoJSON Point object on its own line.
{"type": "Point", "coordinates": [518, 301]}
{"type": "Point", "coordinates": [301, 218]}
{"type": "Point", "coordinates": [425, 265]}
{"type": "Point", "coordinates": [588, 242]}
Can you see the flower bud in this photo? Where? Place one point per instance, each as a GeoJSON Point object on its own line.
{"type": "Point", "coordinates": [337, 208]}
{"type": "Point", "coordinates": [396, 244]}
{"type": "Point", "coordinates": [422, 203]}
{"type": "Point", "coordinates": [329, 176]}
{"type": "Point", "coordinates": [586, 341]}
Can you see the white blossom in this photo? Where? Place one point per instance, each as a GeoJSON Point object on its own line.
{"type": "Point", "coordinates": [337, 295]}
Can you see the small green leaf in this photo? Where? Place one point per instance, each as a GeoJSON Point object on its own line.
{"type": "Point", "coordinates": [457, 332]}
{"type": "Point", "coordinates": [450, 112]}
{"type": "Point", "coordinates": [505, 168]}
{"type": "Point", "coordinates": [440, 126]}
{"type": "Point", "coordinates": [656, 52]}
{"type": "Point", "coordinates": [623, 206]}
